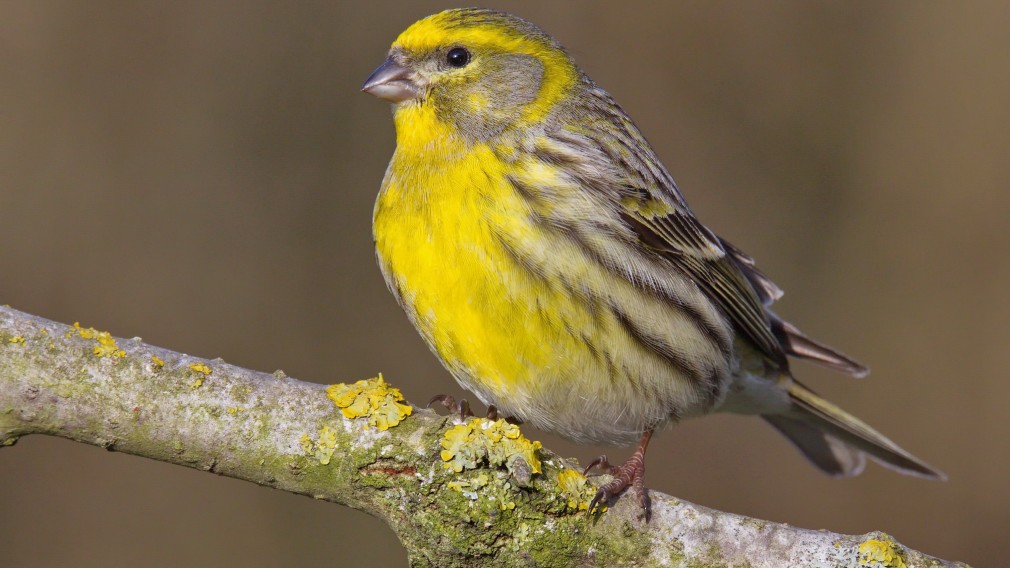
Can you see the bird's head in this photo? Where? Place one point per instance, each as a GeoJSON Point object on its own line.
{"type": "Point", "coordinates": [479, 71]}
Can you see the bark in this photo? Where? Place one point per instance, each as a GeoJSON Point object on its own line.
{"type": "Point", "coordinates": [455, 493]}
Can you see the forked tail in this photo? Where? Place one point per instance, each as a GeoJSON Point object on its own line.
{"type": "Point", "coordinates": [837, 442]}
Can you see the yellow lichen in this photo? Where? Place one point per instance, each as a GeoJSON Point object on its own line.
{"type": "Point", "coordinates": [201, 368]}
{"type": "Point", "coordinates": [325, 445]}
{"type": "Point", "coordinates": [106, 343]}
{"type": "Point", "coordinates": [235, 409]}
{"type": "Point", "coordinates": [204, 371]}
{"type": "Point", "coordinates": [321, 449]}
{"type": "Point", "coordinates": [575, 488]}
{"type": "Point", "coordinates": [480, 481]}
{"type": "Point", "coordinates": [157, 361]}
{"type": "Point", "coordinates": [107, 346]}
{"type": "Point", "coordinates": [16, 340]}
{"type": "Point", "coordinates": [475, 483]}
{"type": "Point", "coordinates": [500, 444]}
{"type": "Point", "coordinates": [88, 333]}
{"type": "Point", "coordinates": [382, 404]}
{"type": "Point", "coordinates": [874, 553]}
{"type": "Point", "coordinates": [305, 441]}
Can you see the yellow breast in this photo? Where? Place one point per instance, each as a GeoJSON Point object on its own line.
{"type": "Point", "coordinates": [435, 225]}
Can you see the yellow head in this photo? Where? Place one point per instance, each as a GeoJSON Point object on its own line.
{"type": "Point", "coordinates": [479, 71]}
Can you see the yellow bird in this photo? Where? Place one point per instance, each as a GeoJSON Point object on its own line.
{"type": "Point", "coordinates": [549, 260]}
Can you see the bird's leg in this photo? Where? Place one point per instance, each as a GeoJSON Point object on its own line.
{"type": "Point", "coordinates": [630, 474]}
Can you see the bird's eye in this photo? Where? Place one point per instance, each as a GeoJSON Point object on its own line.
{"type": "Point", "coordinates": [457, 57]}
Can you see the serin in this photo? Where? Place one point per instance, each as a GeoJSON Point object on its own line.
{"type": "Point", "coordinates": [549, 260]}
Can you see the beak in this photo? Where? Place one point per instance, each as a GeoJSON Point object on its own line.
{"type": "Point", "coordinates": [392, 82]}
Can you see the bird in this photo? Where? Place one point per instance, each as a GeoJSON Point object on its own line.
{"type": "Point", "coordinates": [551, 263]}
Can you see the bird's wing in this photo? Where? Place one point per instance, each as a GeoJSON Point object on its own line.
{"type": "Point", "coordinates": [649, 203]}
{"type": "Point", "coordinates": [729, 276]}
{"type": "Point", "coordinates": [739, 289]}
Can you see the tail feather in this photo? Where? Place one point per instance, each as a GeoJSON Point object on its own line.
{"type": "Point", "coordinates": [798, 344]}
{"type": "Point", "coordinates": [826, 452]}
{"type": "Point", "coordinates": [836, 441]}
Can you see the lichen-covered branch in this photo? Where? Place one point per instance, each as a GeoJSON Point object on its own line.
{"type": "Point", "coordinates": [471, 493]}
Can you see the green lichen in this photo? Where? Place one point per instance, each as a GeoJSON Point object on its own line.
{"type": "Point", "coordinates": [485, 514]}
{"type": "Point", "coordinates": [495, 442]}
{"type": "Point", "coordinates": [486, 511]}
{"type": "Point", "coordinates": [494, 490]}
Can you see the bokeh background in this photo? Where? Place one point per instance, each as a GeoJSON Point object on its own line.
{"type": "Point", "coordinates": [202, 174]}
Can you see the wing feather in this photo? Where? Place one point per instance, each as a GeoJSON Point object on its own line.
{"type": "Point", "coordinates": [650, 204]}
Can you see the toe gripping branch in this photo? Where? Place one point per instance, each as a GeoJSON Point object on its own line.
{"type": "Point", "coordinates": [462, 408]}
{"type": "Point", "coordinates": [629, 474]}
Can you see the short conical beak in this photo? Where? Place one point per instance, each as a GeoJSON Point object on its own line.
{"type": "Point", "coordinates": [392, 82]}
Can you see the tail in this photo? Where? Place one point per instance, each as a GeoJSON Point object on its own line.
{"type": "Point", "coordinates": [838, 442]}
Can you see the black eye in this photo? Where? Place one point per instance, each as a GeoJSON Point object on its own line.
{"type": "Point", "coordinates": [457, 57]}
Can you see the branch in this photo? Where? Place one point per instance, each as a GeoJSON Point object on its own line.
{"type": "Point", "coordinates": [456, 493]}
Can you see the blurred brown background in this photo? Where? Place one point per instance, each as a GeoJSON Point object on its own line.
{"type": "Point", "coordinates": [202, 174]}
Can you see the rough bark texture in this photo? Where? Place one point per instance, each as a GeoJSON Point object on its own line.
{"type": "Point", "coordinates": [127, 396]}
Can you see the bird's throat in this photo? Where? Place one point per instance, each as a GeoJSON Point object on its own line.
{"type": "Point", "coordinates": [421, 134]}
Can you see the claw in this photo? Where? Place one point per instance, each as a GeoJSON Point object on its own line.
{"type": "Point", "coordinates": [600, 462]}
{"type": "Point", "coordinates": [629, 474]}
{"type": "Point", "coordinates": [463, 409]}
{"type": "Point", "coordinates": [446, 400]}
